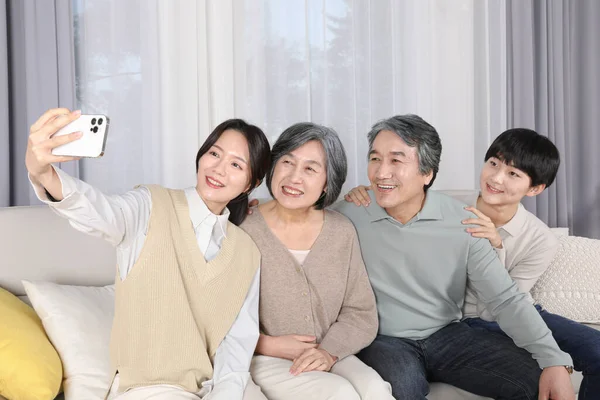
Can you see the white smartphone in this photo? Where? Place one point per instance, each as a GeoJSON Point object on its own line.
{"type": "Point", "coordinates": [91, 143]}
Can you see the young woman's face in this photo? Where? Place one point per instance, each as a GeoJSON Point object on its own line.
{"type": "Point", "coordinates": [299, 177]}
{"type": "Point", "coordinates": [224, 171]}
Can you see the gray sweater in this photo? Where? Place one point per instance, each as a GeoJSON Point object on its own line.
{"type": "Point", "coordinates": [329, 296]}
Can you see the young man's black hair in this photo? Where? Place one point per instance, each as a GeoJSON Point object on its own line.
{"type": "Point", "coordinates": [528, 151]}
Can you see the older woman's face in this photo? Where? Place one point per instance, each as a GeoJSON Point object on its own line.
{"type": "Point", "coordinates": [299, 177]}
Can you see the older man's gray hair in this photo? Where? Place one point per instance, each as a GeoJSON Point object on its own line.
{"type": "Point", "coordinates": [415, 132]}
{"type": "Point", "coordinates": [335, 157]}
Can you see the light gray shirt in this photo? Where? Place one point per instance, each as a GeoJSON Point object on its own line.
{"type": "Point", "coordinates": [528, 247]}
{"type": "Point", "coordinates": [419, 273]}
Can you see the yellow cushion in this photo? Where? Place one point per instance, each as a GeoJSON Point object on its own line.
{"type": "Point", "coordinates": [30, 368]}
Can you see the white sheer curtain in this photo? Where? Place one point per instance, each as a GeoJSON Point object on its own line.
{"type": "Point", "coordinates": [167, 72]}
{"type": "Point", "coordinates": [117, 69]}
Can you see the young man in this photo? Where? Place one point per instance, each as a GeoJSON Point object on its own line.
{"type": "Point", "coordinates": [419, 261]}
{"type": "Point", "coordinates": [520, 163]}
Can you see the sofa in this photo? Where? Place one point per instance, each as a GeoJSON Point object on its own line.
{"type": "Point", "coordinates": [38, 246]}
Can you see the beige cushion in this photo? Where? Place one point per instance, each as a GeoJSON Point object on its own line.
{"type": "Point", "coordinates": [571, 285]}
{"type": "Point", "coordinates": [78, 320]}
{"type": "Point", "coordinates": [560, 232]}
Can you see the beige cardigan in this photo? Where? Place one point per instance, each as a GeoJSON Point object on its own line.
{"type": "Point", "coordinates": [330, 296]}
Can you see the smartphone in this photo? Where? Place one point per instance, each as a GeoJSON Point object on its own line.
{"type": "Point", "coordinates": [91, 143]}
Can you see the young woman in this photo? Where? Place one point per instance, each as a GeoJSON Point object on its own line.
{"type": "Point", "coordinates": [187, 281]}
{"type": "Point", "coordinates": [317, 307]}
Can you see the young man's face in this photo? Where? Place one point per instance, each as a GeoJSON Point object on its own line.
{"type": "Point", "coordinates": [502, 184]}
{"type": "Point", "coordinates": [394, 171]}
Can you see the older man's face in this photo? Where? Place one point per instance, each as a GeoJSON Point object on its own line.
{"type": "Point", "coordinates": [394, 171]}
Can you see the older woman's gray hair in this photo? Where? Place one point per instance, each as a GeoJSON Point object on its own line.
{"type": "Point", "coordinates": [415, 132]}
{"type": "Point", "coordinates": [335, 157]}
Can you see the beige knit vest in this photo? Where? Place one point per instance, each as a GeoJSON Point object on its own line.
{"type": "Point", "coordinates": [173, 309]}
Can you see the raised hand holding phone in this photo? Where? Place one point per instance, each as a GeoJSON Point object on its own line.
{"type": "Point", "coordinates": [39, 157]}
{"type": "Point", "coordinates": [92, 141]}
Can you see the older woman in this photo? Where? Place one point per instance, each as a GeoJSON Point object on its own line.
{"type": "Point", "coordinates": [317, 307]}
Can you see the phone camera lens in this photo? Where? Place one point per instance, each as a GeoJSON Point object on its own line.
{"type": "Point", "coordinates": [95, 129]}
{"type": "Point", "coordinates": [99, 121]}
{"type": "Point", "coordinates": [93, 121]}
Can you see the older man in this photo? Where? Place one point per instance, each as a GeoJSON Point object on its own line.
{"type": "Point", "coordinates": [419, 261]}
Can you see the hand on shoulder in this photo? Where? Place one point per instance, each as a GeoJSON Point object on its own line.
{"type": "Point", "coordinates": [484, 228]}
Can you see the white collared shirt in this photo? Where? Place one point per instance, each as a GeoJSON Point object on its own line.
{"type": "Point", "coordinates": [528, 247]}
{"type": "Point", "coordinates": [210, 229]}
{"type": "Point", "coordinates": [123, 221]}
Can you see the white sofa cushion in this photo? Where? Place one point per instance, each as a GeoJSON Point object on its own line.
{"type": "Point", "coordinates": [560, 232]}
{"type": "Point", "coordinates": [78, 320]}
{"type": "Point", "coordinates": [571, 285]}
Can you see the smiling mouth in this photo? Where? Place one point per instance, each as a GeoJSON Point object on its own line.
{"type": "Point", "coordinates": [493, 189]}
{"type": "Point", "coordinates": [213, 183]}
{"type": "Point", "coordinates": [291, 191]}
{"type": "Point", "coordinates": [385, 188]}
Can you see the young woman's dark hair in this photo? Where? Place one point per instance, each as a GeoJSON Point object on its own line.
{"type": "Point", "coordinates": [260, 161]}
